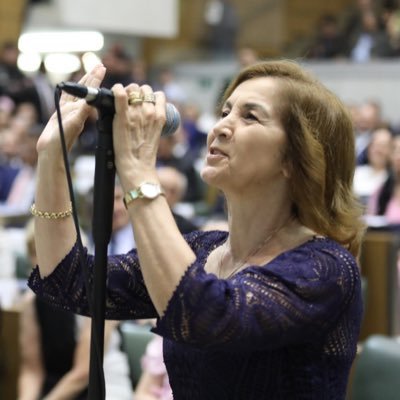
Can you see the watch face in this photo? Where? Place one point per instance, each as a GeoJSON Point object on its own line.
{"type": "Point", "coordinates": [150, 190]}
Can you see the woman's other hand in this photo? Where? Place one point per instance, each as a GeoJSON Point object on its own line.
{"type": "Point", "coordinates": [74, 113]}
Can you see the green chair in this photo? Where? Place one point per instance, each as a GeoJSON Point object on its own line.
{"type": "Point", "coordinates": [377, 370]}
{"type": "Point", "coordinates": [134, 341]}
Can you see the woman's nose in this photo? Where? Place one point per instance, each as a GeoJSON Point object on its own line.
{"type": "Point", "coordinates": [223, 128]}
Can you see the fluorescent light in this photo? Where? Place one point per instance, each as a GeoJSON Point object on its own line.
{"type": "Point", "coordinates": [61, 42]}
{"type": "Point", "coordinates": [29, 62]}
{"type": "Point", "coordinates": [62, 63]}
{"type": "Point", "coordinates": [90, 60]}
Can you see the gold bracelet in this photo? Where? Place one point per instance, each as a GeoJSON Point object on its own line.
{"type": "Point", "coordinates": [50, 215]}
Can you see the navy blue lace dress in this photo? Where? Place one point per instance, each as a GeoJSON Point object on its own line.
{"type": "Point", "coordinates": [286, 330]}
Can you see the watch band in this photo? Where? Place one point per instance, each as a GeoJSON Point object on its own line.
{"type": "Point", "coordinates": [146, 190]}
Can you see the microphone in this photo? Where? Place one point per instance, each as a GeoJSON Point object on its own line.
{"type": "Point", "coordinates": [103, 99]}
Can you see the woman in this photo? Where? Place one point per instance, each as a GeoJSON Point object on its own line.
{"type": "Point", "coordinates": [270, 310]}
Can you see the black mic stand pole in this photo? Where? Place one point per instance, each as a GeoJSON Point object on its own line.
{"type": "Point", "coordinates": [103, 205]}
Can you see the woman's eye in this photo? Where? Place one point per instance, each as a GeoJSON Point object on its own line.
{"type": "Point", "coordinates": [251, 117]}
{"type": "Point", "coordinates": [224, 113]}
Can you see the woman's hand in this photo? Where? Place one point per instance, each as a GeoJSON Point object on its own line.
{"type": "Point", "coordinates": [74, 113]}
{"type": "Point", "coordinates": [136, 132]}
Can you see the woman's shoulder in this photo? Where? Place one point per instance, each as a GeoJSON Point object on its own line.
{"type": "Point", "coordinates": [319, 256]}
{"type": "Point", "coordinates": [323, 246]}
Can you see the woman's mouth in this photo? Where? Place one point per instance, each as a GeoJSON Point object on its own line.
{"type": "Point", "coordinates": [215, 154]}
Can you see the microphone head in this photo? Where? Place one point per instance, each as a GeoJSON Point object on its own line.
{"type": "Point", "coordinates": [173, 120]}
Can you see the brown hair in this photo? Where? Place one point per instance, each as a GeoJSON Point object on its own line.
{"type": "Point", "coordinates": [320, 151]}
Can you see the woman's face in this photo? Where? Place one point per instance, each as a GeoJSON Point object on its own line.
{"type": "Point", "coordinates": [247, 144]}
{"type": "Point", "coordinates": [379, 148]}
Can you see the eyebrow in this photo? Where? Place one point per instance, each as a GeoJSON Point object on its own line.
{"type": "Point", "coordinates": [251, 106]}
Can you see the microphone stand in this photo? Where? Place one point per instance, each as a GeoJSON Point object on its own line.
{"type": "Point", "coordinates": [103, 205]}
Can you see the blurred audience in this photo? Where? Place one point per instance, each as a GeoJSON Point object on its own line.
{"type": "Point", "coordinates": [21, 88]}
{"type": "Point", "coordinates": [329, 42]}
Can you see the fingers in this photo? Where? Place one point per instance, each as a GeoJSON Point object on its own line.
{"type": "Point", "coordinates": [92, 78]}
{"type": "Point", "coordinates": [153, 106]}
{"type": "Point", "coordinates": [141, 107]}
{"type": "Point", "coordinates": [120, 98]}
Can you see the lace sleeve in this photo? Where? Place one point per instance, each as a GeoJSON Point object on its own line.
{"type": "Point", "coordinates": [296, 298]}
{"type": "Point", "coordinates": [126, 294]}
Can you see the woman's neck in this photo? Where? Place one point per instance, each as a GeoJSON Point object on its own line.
{"type": "Point", "coordinates": [250, 222]}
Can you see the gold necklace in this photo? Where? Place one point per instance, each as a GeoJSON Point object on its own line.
{"type": "Point", "coordinates": [241, 263]}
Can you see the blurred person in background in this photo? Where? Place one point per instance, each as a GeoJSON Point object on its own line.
{"type": "Point", "coordinates": [369, 177]}
{"type": "Point", "coordinates": [385, 202]}
{"type": "Point", "coordinates": [167, 82]}
{"type": "Point", "coordinates": [368, 118]}
{"type": "Point", "coordinates": [153, 383]}
{"type": "Point", "coordinates": [122, 239]}
{"type": "Point", "coordinates": [21, 192]}
{"type": "Point", "coordinates": [371, 41]}
{"type": "Point", "coordinates": [174, 184]}
{"type": "Point", "coordinates": [6, 109]}
{"type": "Point", "coordinates": [194, 137]}
{"type": "Point", "coordinates": [139, 71]}
{"type": "Point", "coordinates": [119, 65]}
{"type": "Point", "coordinates": [222, 24]}
{"type": "Point", "coordinates": [168, 154]}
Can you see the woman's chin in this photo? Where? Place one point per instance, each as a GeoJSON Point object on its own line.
{"type": "Point", "coordinates": [210, 175]}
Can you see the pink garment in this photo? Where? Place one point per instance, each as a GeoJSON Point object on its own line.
{"type": "Point", "coordinates": [153, 363]}
{"type": "Point", "coordinates": [392, 213]}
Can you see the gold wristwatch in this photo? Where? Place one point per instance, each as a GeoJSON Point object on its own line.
{"type": "Point", "coordinates": [146, 190]}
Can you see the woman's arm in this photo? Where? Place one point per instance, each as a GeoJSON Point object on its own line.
{"type": "Point", "coordinates": [77, 379]}
{"type": "Point", "coordinates": [163, 252]}
{"type": "Point", "coordinates": [55, 237]}
{"type": "Point", "coordinates": [31, 375]}
{"type": "Point", "coordinates": [126, 294]}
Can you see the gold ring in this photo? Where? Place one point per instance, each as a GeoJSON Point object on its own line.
{"type": "Point", "coordinates": [135, 101]}
{"type": "Point", "coordinates": [134, 98]}
{"type": "Point", "coordinates": [149, 98]}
